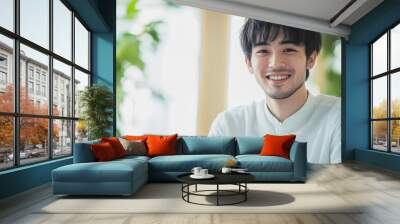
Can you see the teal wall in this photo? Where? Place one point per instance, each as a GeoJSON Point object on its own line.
{"type": "Point", "coordinates": [24, 178]}
{"type": "Point", "coordinates": [357, 101]}
{"type": "Point", "coordinates": [99, 15]}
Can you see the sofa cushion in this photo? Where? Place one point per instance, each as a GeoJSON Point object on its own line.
{"type": "Point", "coordinates": [103, 151]}
{"type": "Point", "coordinates": [159, 145]}
{"type": "Point", "coordinates": [116, 145]}
{"type": "Point", "coordinates": [111, 171]}
{"type": "Point", "coordinates": [197, 145]}
{"type": "Point", "coordinates": [257, 163]}
{"type": "Point", "coordinates": [275, 145]}
{"type": "Point", "coordinates": [185, 163]}
{"type": "Point", "coordinates": [249, 145]}
{"type": "Point", "coordinates": [135, 137]}
{"type": "Point", "coordinates": [134, 147]}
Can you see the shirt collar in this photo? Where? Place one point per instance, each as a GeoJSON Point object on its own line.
{"type": "Point", "coordinates": [297, 119]}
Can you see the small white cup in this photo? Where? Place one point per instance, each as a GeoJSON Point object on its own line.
{"type": "Point", "coordinates": [196, 170]}
{"type": "Point", "coordinates": [203, 172]}
{"type": "Point", "coordinates": [226, 170]}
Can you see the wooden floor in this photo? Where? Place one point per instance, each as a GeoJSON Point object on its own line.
{"type": "Point", "coordinates": [354, 182]}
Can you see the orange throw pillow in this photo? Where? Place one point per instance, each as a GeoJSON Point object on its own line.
{"type": "Point", "coordinates": [135, 138]}
{"type": "Point", "coordinates": [116, 145]}
{"type": "Point", "coordinates": [277, 145]}
{"type": "Point", "coordinates": [161, 145]}
{"type": "Point", "coordinates": [103, 151]}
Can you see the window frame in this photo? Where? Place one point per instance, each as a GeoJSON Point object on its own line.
{"type": "Point", "coordinates": [16, 114]}
{"type": "Point", "coordinates": [388, 74]}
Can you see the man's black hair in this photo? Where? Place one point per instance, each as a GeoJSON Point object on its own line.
{"type": "Point", "coordinates": [256, 32]}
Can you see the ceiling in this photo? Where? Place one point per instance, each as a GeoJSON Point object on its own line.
{"type": "Point", "coordinates": [327, 16]}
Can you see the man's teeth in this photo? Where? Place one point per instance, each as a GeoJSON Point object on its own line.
{"type": "Point", "coordinates": [278, 77]}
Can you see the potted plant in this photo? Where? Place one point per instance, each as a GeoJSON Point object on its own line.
{"type": "Point", "coordinates": [96, 103]}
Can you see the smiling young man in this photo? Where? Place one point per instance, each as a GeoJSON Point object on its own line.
{"type": "Point", "coordinates": [280, 57]}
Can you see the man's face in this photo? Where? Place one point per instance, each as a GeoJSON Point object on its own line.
{"type": "Point", "coordinates": [280, 67]}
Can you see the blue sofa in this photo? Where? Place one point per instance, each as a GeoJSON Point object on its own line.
{"type": "Point", "coordinates": [125, 176]}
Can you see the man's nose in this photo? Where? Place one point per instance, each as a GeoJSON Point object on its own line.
{"type": "Point", "coordinates": [276, 60]}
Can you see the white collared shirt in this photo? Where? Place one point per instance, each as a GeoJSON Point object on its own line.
{"type": "Point", "coordinates": [317, 122]}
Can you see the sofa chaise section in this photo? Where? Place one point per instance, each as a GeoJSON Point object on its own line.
{"type": "Point", "coordinates": [87, 177]}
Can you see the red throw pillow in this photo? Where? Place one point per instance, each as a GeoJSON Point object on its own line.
{"type": "Point", "coordinates": [277, 145]}
{"type": "Point", "coordinates": [103, 151]}
{"type": "Point", "coordinates": [161, 145]}
{"type": "Point", "coordinates": [116, 145]}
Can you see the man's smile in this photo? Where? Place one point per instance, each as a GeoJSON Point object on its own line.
{"type": "Point", "coordinates": [277, 78]}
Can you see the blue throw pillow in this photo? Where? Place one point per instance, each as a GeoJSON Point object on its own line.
{"type": "Point", "coordinates": [249, 145]}
{"type": "Point", "coordinates": [193, 145]}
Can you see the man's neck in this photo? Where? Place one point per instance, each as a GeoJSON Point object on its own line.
{"type": "Point", "coordinates": [284, 108]}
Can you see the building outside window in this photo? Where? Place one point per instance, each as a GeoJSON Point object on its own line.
{"type": "Point", "coordinates": [37, 74]}
{"type": "Point", "coordinates": [3, 78]}
{"type": "Point", "coordinates": [30, 72]}
{"type": "Point", "coordinates": [3, 72]}
{"type": "Point", "coordinates": [43, 90]}
{"type": "Point", "coordinates": [3, 61]}
{"type": "Point", "coordinates": [38, 89]}
{"type": "Point", "coordinates": [30, 87]}
{"type": "Point", "coordinates": [44, 77]}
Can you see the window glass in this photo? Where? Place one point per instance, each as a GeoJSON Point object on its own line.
{"type": "Point", "coordinates": [35, 21]}
{"type": "Point", "coordinates": [62, 29]}
{"type": "Point", "coordinates": [39, 62]}
{"type": "Point", "coordinates": [395, 136]}
{"type": "Point", "coordinates": [395, 47]}
{"type": "Point", "coordinates": [81, 131]}
{"type": "Point", "coordinates": [379, 56]}
{"type": "Point", "coordinates": [7, 14]}
{"type": "Point", "coordinates": [62, 91]}
{"type": "Point", "coordinates": [6, 142]}
{"type": "Point", "coordinates": [81, 81]}
{"type": "Point", "coordinates": [33, 140]}
{"type": "Point", "coordinates": [379, 97]}
{"type": "Point", "coordinates": [81, 45]}
{"type": "Point", "coordinates": [6, 74]}
{"type": "Point", "coordinates": [62, 138]}
{"type": "Point", "coordinates": [379, 135]}
{"type": "Point", "coordinates": [395, 94]}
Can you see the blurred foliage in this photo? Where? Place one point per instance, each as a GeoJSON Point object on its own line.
{"type": "Point", "coordinates": [130, 46]}
{"type": "Point", "coordinates": [332, 82]}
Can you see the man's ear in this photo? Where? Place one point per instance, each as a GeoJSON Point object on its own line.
{"type": "Point", "coordinates": [248, 63]}
{"type": "Point", "coordinates": [311, 60]}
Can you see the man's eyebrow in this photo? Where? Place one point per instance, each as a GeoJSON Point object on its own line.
{"type": "Point", "coordinates": [260, 44]}
{"type": "Point", "coordinates": [288, 42]}
{"type": "Point", "coordinates": [282, 42]}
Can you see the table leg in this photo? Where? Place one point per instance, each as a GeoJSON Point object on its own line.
{"type": "Point", "coordinates": [196, 188]}
{"type": "Point", "coordinates": [245, 193]}
{"type": "Point", "coordinates": [217, 194]}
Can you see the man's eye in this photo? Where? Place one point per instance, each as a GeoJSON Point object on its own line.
{"type": "Point", "coordinates": [289, 50]}
{"type": "Point", "coordinates": [262, 52]}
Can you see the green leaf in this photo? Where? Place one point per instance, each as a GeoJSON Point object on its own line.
{"type": "Point", "coordinates": [131, 10]}
{"type": "Point", "coordinates": [128, 51]}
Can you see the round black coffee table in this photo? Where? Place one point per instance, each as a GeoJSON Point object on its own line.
{"type": "Point", "coordinates": [238, 179]}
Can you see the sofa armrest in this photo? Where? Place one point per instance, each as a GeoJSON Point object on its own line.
{"type": "Point", "coordinates": [83, 152]}
{"type": "Point", "coordinates": [298, 155]}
